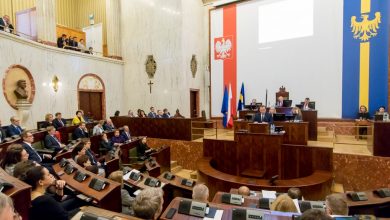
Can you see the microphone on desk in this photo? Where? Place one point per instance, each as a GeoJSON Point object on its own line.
{"type": "Point", "coordinates": [273, 179]}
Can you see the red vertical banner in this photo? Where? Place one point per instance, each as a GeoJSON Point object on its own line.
{"type": "Point", "coordinates": [230, 64]}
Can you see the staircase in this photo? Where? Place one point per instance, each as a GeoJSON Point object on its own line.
{"type": "Point", "coordinates": [323, 135]}
{"type": "Point", "coordinates": [184, 173]}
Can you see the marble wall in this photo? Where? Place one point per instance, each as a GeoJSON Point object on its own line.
{"type": "Point", "coordinates": [44, 62]}
{"type": "Point", "coordinates": [172, 31]}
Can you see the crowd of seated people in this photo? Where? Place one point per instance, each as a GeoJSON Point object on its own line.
{"type": "Point", "coordinates": [71, 43]}
{"type": "Point", "coordinates": [152, 114]}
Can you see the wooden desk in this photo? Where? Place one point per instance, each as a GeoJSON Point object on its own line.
{"type": "Point", "coordinates": [102, 213]}
{"type": "Point", "coordinates": [174, 188]}
{"type": "Point", "coordinates": [108, 198]}
{"type": "Point", "coordinates": [66, 133]}
{"type": "Point", "coordinates": [249, 201]}
{"type": "Point", "coordinates": [375, 205]}
{"type": "Point", "coordinates": [361, 124]}
{"type": "Point", "coordinates": [124, 149]}
{"type": "Point", "coordinates": [96, 139]}
{"type": "Point", "coordinates": [4, 146]}
{"type": "Point", "coordinates": [380, 141]}
{"type": "Point", "coordinates": [20, 193]}
{"type": "Point", "coordinates": [165, 128]}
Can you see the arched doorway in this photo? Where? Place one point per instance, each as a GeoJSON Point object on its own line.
{"type": "Point", "coordinates": [91, 96]}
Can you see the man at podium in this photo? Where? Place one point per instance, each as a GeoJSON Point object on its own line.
{"type": "Point", "coordinates": [262, 116]}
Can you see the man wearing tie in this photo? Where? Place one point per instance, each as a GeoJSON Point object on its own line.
{"type": "Point", "coordinates": [126, 133]}
{"type": "Point", "coordinates": [306, 104]}
{"type": "Point", "coordinates": [33, 155]}
{"type": "Point", "coordinates": [152, 114]}
{"type": "Point", "coordinates": [51, 141]}
{"type": "Point", "coordinates": [14, 128]}
{"type": "Point", "coordinates": [80, 132]}
{"type": "Point", "coordinates": [262, 116]}
{"type": "Point", "coordinates": [279, 103]}
{"type": "Point", "coordinates": [59, 122]}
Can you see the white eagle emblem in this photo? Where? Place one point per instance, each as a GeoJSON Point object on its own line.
{"type": "Point", "coordinates": [365, 29]}
{"type": "Point", "coordinates": [223, 48]}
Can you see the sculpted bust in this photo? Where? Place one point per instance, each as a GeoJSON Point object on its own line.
{"type": "Point", "coordinates": [20, 91]}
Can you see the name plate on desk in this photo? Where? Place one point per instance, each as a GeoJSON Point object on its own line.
{"type": "Point", "coordinates": [187, 182]}
{"type": "Point", "coordinates": [193, 208]}
{"type": "Point", "coordinates": [232, 199]}
{"type": "Point", "coordinates": [243, 214]}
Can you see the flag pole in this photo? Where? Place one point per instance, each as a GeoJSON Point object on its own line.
{"type": "Point", "coordinates": [266, 97]}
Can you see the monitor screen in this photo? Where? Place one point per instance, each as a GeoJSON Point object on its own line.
{"type": "Point", "coordinates": [312, 105]}
{"type": "Point", "coordinates": [287, 103]}
{"type": "Point", "coordinates": [279, 117]}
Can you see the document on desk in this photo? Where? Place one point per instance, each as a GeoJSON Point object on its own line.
{"type": "Point", "coordinates": [268, 194]}
{"type": "Point", "coordinates": [217, 216]}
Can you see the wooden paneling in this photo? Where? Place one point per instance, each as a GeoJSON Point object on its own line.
{"type": "Point", "coordinates": [381, 142]}
{"type": "Point", "coordinates": [224, 154]}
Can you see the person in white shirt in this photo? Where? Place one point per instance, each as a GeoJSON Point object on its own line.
{"type": "Point", "coordinates": [81, 45]}
{"type": "Point", "coordinates": [98, 129]}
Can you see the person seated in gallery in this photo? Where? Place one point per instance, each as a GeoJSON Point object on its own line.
{"type": "Point", "coordinates": [106, 145]}
{"type": "Point", "coordinates": [61, 41]}
{"type": "Point", "coordinates": [336, 205]}
{"type": "Point", "coordinates": [127, 200]}
{"type": "Point", "coordinates": [142, 149]}
{"type": "Point", "coordinates": [279, 103]}
{"type": "Point", "coordinates": [51, 141]}
{"type": "Point", "coordinates": [81, 45]}
{"type": "Point", "coordinates": [80, 132]}
{"type": "Point", "coordinates": [131, 114]}
{"type": "Point", "coordinates": [244, 191]}
{"type": "Point", "coordinates": [159, 114]}
{"type": "Point", "coordinates": [117, 139]}
{"type": "Point", "coordinates": [294, 193]}
{"type": "Point", "coordinates": [296, 112]}
{"type": "Point", "coordinates": [148, 204]}
{"type": "Point", "coordinates": [78, 118]}
{"type": "Point", "coordinates": [166, 113]}
{"type": "Point", "coordinates": [98, 128]}
{"type": "Point", "coordinates": [283, 203]}
{"type": "Point", "coordinates": [152, 114]}
{"type": "Point", "coordinates": [14, 128]}
{"type": "Point", "coordinates": [48, 121]}
{"type": "Point", "coordinates": [83, 161]}
{"type": "Point", "coordinates": [262, 116]}
{"type": "Point", "coordinates": [6, 25]}
{"type": "Point", "coordinates": [126, 133]}
{"type": "Point", "coordinates": [200, 193]}
{"type": "Point", "coordinates": [15, 153]}
{"type": "Point", "coordinates": [59, 122]}
{"type": "Point", "coordinates": [117, 113]}
{"type": "Point", "coordinates": [43, 159]}
{"type": "Point", "coordinates": [109, 125]}
{"type": "Point", "coordinates": [177, 114]}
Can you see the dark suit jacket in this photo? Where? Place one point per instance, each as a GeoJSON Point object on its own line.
{"type": "Point", "coordinates": [267, 118]}
{"type": "Point", "coordinates": [57, 124]}
{"type": "Point", "coordinates": [141, 148]}
{"type": "Point", "coordinates": [46, 124]}
{"type": "Point", "coordinates": [106, 146]}
{"type": "Point", "coordinates": [60, 42]}
{"type": "Point", "coordinates": [51, 143]}
{"type": "Point", "coordinates": [152, 115]}
{"type": "Point", "coordinates": [32, 153]}
{"type": "Point", "coordinates": [3, 135]}
{"type": "Point", "coordinates": [2, 24]}
{"type": "Point", "coordinates": [14, 130]}
{"type": "Point", "coordinates": [108, 127]}
{"type": "Point", "coordinates": [125, 136]}
{"type": "Point", "coordinates": [365, 115]}
{"type": "Point", "coordinates": [165, 116]}
{"type": "Point", "coordinates": [91, 156]}
{"type": "Point", "coordinates": [79, 133]}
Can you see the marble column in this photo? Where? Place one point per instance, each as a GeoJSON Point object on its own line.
{"type": "Point", "coordinates": [113, 28]}
{"type": "Point", "coordinates": [46, 21]}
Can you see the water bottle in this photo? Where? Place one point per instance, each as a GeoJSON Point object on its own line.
{"type": "Point", "coordinates": [385, 116]}
{"type": "Point", "coordinates": [272, 128]}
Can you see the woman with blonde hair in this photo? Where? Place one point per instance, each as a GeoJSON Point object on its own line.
{"type": "Point", "coordinates": [297, 113]}
{"type": "Point", "coordinates": [284, 203]}
{"type": "Point", "coordinates": [48, 121]}
{"type": "Point", "coordinates": [127, 200]}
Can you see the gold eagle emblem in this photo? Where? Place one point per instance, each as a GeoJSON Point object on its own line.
{"type": "Point", "coordinates": [365, 29]}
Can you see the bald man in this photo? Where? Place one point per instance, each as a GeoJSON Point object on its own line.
{"type": "Point", "coordinates": [200, 193]}
{"type": "Point", "coordinates": [244, 191]}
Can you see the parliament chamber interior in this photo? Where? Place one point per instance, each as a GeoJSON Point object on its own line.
{"type": "Point", "coordinates": [194, 109]}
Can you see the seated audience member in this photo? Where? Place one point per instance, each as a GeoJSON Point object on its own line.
{"type": "Point", "coordinates": [126, 133]}
{"type": "Point", "coordinates": [14, 154]}
{"type": "Point", "coordinates": [28, 139]}
{"type": "Point", "coordinates": [51, 141]}
{"type": "Point", "coordinates": [22, 167]}
{"type": "Point", "coordinates": [142, 147]}
{"type": "Point", "coordinates": [166, 113]}
{"type": "Point", "coordinates": [59, 122]}
{"type": "Point", "coordinates": [116, 114]}
{"type": "Point", "coordinates": [48, 121]}
{"type": "Point", "coordinates": [149, 203]}
{"type": "Point", "coordinates": [159, 114]}
{"type": "Point", "coordinates": [117, 139]}
{"type": "Point", "coordinates": [78, 118]}
{"type": "Point", "coordinates": [177, 114]}
{"type": "Point", "coordinates": [283, 203]}
{"type": "Point", "coordinates": [306, 104]}
{"type": "Point", "coordinates": [85, 117]}
{"type": "Point", "coordinates": [127, 200]}
{"type": "Point", "coordinates": [81, 45]}
{"type": "Point", "coordinates": [44, 205]}
{"type": "Point", "coordinates": [200, 193]}
{"type": "Point", "coordinates": [152, 114]}
{"type": "Point", "coordinates": [279, 103]}
{"type": "Point", "coordinates": [3, 134]}
{"type": "Point", "coordinates": [272, 111]}
{"type": "Point", "coordinates": [98, 129]}
{"type": "Point", "coordinates": [14, 128]}
{"type": "Point", "coordinates": [90, 153]}
{"type": "Point", "coordinates": [61, 41]}
{"type": "Point", "coordinates": [78, 151]}
{"type": "Point", "coordinates": [7, 211]}
{"type": "Point", "coordinates": [130, 114]}
{"type": "Point", "coordinates": [244, 191]}
{"type": "Point", "coordinates": [90, 51]}
{"type": "Point", "coordinates": [363, 113]}
{"type": "Point", "coordinates": [336, 205]}
{"type": "Point", "coordinates": [294, 193]}
{"type": "Point", "coordinates": [314, 214]}
{"type": "Point", "coordinates": [80, 132]}
{"type": "Point", "coordinates": [83, 161]}
{"type": "Point", "coordinates": [381, 110]}
{"type": "Point", "coordinates": [142, 114]}
{"type": "Point", "coordinates": [297, 114]}
{"type": "Point", "coordinates": [253, 103]}
{"type": "Point", "coordinates": [262, 116]}
{"type": "Point", "coordinates": [106, 145]}
{"type": "Point", "coordinates": [75, 44]}
{"type": "Point", "coordinates": [109, 126]}
{"type": "Point", "coordinates": [5, 24]}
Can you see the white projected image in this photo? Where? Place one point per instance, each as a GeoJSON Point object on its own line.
{"type": "Point", "coordinates": [285, 19]}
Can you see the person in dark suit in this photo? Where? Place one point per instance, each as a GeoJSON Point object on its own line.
{"type": "Point", "coordinates": [262, 116]}
{"type": "Point", "coordinates": [48, 121]}
{"type": "Point", "coordinates": [126, 133]}
{"type": "Point", "coordinates": [80, 132]}
{"type": "Point", "coordinates": [14, 128]}
{"type": "Point", "coordinates": [51, 141]}
{"type": "Point", "coordinates": [3, 135]}
{"type": "Point", "coordinates": [159, 114]}
{"type": "Point", "coordinates": [105, 145]}
{"type": "Point", "coordinates": [5, 24]}
{"type": "Point", "coordinates": [109, 126]}
{"type": "Point", "coordinates": [33, 155]}
{"type": "Point", "coordinates": [166, 113]}
{"type": "Point", "coordinates": [59, 122]}
{"type": "Point", "coordinates": [61, 41]}
{"type": "Point", "coordinates": [152, 114]}
{"type": "Point", "coordinates": [142, 147]}
{"type": "Point", "coordinates": [272, 111]}
{"type": "Point", "coordinates": [117, 139]}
